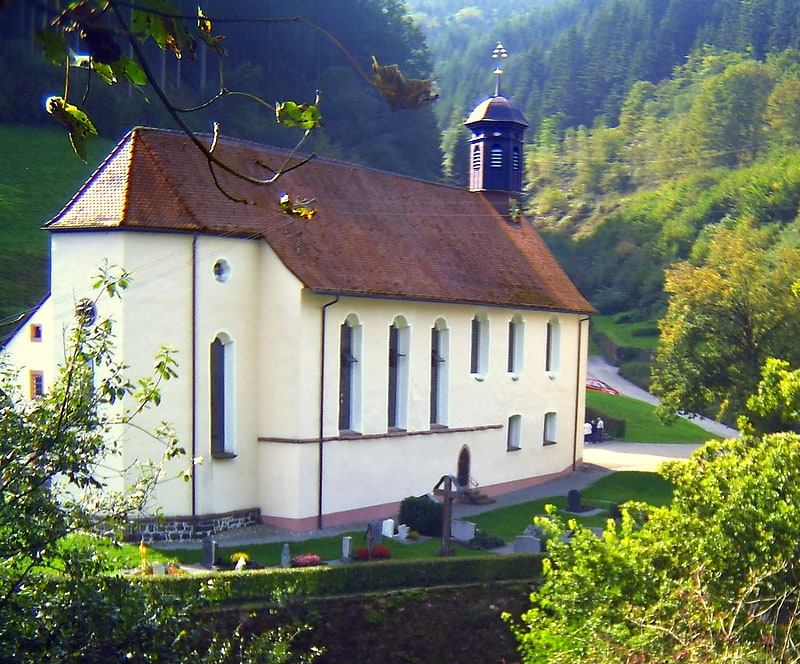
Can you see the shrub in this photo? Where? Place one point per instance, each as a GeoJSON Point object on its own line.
{"type": "Point", "coordinates": [378, 553]}
{"type": "Point", "coordinates": [422, 514]}
{"type": "Point", "coordinates": [484, 541]}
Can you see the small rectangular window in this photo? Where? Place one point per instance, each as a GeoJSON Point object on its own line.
{"type": "Point", "coordinates": [37, 384]}
{"type": "Point", "coordinates": [514, 438]}
{"type": "Point", "coordinates": [36, 332]}
{"type": "Point", "coordinates": [550, 428]}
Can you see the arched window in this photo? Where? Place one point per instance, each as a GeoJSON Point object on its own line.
{"type": "Point", "coordinates": [399, 334]}
{"type": "Point", "coordinates": [221, 397]}
{"type": "Point", "coordinates": [515, 159]}
{"type": "Point", "coordinates": [552, 346]}
{"type": "Point", "coordinates": [479, 353]}
{"type": "Point", "coordinates": [516, 344]}
{"type": "Point", "coordinates": [349, 375]}
{"type": "Point", "coordinates": [476, 158]}
{"type": "Point", "coordinates": [496, 157]}
{"type": "Point", "coordinates": [440, 350]}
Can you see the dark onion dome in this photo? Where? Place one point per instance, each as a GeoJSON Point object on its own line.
{"type": "Point", "coordinates": [496, 109]}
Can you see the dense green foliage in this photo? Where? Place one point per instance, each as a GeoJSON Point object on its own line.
{"type": "Point", "coordinates": [712, 577]}
{"type": "Point", "coordinates": [621, 204]}
{"type": "Point", "coordinates": [726, 317]}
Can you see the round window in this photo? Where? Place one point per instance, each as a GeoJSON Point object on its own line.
{"type": "Point", "coordinates": [222, 270]}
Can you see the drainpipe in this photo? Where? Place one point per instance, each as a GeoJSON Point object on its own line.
{"type": "Point", "coordinates": [322, 407]}
{"type": "Point", "coordinates": [194, 386]}
{"type": "Point", "coordinates": [578, 419]}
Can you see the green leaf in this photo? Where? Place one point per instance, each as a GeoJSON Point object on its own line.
{"type": "Point", "coordinates": [291, 114]}
{"type": "Point", "coordinates": [79, 125]}
{"type": "Point", "coordinates": [130, 70]}
{"type": "Point", "coordinates": [168, 32]}
{"type": "Point", "coordinates": [105, 72]}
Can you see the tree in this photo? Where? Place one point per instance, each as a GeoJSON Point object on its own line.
{"type": "Point", "coordinates": [58, 601]}
{"type": "Point", "coordinates": [710, 578]}
{"type": "Point", "coordinates": [726, 121]}
{"type": "Point", "coordinates": [725, 317]}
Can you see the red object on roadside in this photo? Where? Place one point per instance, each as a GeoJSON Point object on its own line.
{"type": "Point", "coordinates": [600, 386]}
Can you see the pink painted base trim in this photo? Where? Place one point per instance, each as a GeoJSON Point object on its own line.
{"type": "Point", "coordinates": [390, 510]}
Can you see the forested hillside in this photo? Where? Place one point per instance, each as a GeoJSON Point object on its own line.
{"type": "Point", "coordinates": [651, 120]}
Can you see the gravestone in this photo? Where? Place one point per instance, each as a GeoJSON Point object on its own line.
{"type": "Point", "coordinates": [286, 556]}
{"type": "Point", "coordinates": [534, 531]}
{"type": "Point", "coordinates": [402, 531]}
{"type": "Point", "coordinates": [463, 531]}
{"type": "Point", "coordinates": [574, 501]}
{"type": "Point", "coordinates": [209, 552]}
{"type": "Point", "coordinates": [527, 544]}
{"type": "Point", "coordinates": [375, 530]}
{"type": "Point", "coordinates": [387, 528]}
{"type": "Point", "coordinates": [347, 548]}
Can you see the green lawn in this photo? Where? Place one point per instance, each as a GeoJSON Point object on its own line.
{"type": "Point", "coordinates": [506, 522]}
{"type": "Point", "coordinates": [38, 174]}
{"type": "Point", "coordinates": [641, 423]}
{"type": "Point", "coordinates": [642, 334]}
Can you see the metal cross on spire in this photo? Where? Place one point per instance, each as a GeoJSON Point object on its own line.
{"type": "Point", "coordinates": [498, 54]}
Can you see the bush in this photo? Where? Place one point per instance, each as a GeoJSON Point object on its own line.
{"type": "Point", "coordinates": [422, 514]}
{"type": "Point", "coordinates": [484, 541]}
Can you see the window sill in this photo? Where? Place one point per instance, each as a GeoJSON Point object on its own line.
{"type": "Point", "coordinates": [513, 449]}
{"type": "Point", "coordinates": [350, 433]}
{"type": "Point", "coordinates": [479, 377]}
{"type": "Point", "coordinates": [547, 443]}
{"type": "Point", "coordinates": [223, 455]}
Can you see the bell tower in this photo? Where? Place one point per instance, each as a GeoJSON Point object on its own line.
{"type": "Point", "coordinates": [495, 149]}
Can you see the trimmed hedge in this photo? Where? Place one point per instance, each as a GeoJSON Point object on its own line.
{"type": "Point", "coordinates": [330, 580]}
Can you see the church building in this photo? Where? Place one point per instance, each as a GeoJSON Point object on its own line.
{"type": "Point", "coordinates": [330, 364]}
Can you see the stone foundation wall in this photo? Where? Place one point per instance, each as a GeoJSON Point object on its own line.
{"type": "Point", "coordinates": [186, 528]}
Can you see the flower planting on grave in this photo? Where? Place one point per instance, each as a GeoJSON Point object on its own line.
{"type": "Point", "coordinates": [378, 553]}
{"type": "Point", "coordinates": [306, 560]}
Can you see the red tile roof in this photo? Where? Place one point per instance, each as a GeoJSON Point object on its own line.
{"type": "Point", "coordinates": [374, 233]}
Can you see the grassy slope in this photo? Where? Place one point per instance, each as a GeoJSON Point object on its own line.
{"type": "Point", "coordinates": [641, 423]}
{"type": "Point", "coordinates": [38, 174]}
{"type": "Point", "coordinates": [641, 334]}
